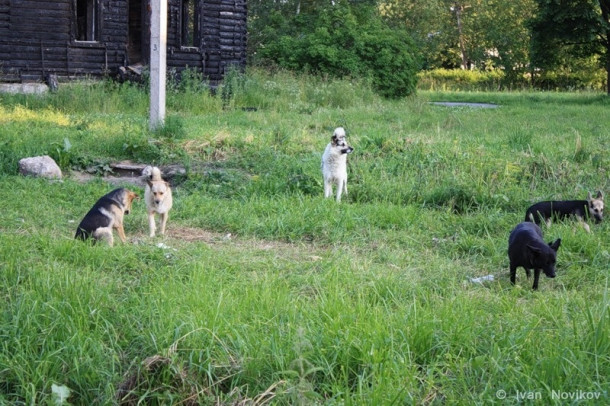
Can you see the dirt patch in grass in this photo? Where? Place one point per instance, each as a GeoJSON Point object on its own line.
{"type": "Point", "coordinates": [194, 234]}
{"type": "Point", "coordinates": [302, 251]}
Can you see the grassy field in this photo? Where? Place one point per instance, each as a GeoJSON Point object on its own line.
{"type": "Point", "coordinates": [265, 293]}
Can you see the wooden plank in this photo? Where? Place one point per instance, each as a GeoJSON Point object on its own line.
{"type": "Point", "coordinates": [23, 15]}
{"type": "Point", "coordinates": [44, 21]}
{"type": "Point", "coordinates": [38, 5]}
{"type": "Point", "coordinates": [45, 36]}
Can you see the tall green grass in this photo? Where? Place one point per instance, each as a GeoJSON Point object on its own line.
{"type": "Point", "coordinates": [264, 292]}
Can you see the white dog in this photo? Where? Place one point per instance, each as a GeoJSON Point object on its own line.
{"type": "Point", "coordinates": [334, 164]}
{"type": "Point", "coordinates": [158, 197]}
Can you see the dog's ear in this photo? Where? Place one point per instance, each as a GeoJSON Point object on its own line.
{"type": "Point", "coordinates": [149, 183]}
{"type": "Point", "coordinates": [333, 139]}
{"type": "Point", "coordinates": [555, 245]}
{"type": "Point", "coordinates": [534, 250]}
{"type": "Point", "coordinates": [131, 196]}
{"type": "Point", "coordinates": [599, 195]}
{"type": "Point", "coordinates": [589, 197]}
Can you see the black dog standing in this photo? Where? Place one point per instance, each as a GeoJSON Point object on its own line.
{"type": "Point", "coordinates": [527, 249]}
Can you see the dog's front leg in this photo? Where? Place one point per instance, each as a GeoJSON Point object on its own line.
{"type": "Point", "coordinates": [536, 277]}
{"type": "Point", "coordinates": [328, 189]}
{"type": "Point", "coordinates": [584, 224]}
{"type": "Point", "coordinates": [152, 227]}
{"type": "Point", "coordinates": [121, 231]}
{"type": "Point", "coordinates": [339, 191]}
{"type": "Point", "coordinates": [513, 274]}
{"type": "Point", "coordinates": [164, 217]}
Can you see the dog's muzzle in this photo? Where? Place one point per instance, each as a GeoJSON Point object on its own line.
{"type": "Point", "coordinates": [347, 150]}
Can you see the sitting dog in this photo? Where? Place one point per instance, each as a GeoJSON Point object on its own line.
{"type": "Point", "coordinates": [158, 197]}
{"type": "Point", "coordinates": [106, 214]}
{"type": "Point", "coordinates": [581, 209]}
{"type": "Point", "coordinates": [527, 249]}
{"type": "Point", "coordinates": [334, 164]}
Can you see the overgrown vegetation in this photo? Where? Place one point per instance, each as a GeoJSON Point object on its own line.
{"type": "Point", "coordinates": [342, 41]}
{"type": "Point", "coordinates": [587, 78]}
{"type": "Point", "coordinates": [519, 44]}
{"type": "Point", "coordinates": [264, 292]}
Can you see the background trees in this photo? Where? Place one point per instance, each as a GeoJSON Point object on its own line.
{"type": "Point", "coordinates": [546, 43]}
{"type": "Point", "coordinates": [339, 38]}
{"type": "Point", "coordinates": [570, 34]}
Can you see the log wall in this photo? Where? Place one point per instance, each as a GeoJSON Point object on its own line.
{"type": "Point", "coordinates": [37, 38]}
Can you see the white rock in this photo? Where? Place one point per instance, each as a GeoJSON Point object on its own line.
{"type": "Point", "coordinates": [43, 166]}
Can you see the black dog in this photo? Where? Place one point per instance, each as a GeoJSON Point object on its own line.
{"type": "Point", "coordinates": [581, 209]}
{"type": "Point", "coordinates": [526, 248]}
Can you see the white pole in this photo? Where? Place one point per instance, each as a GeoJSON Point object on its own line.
{"type": "Point", "coordinates": [158, 67]}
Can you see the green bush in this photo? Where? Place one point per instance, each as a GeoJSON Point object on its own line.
{"type": "Point", "coordinates": [386, 55]}
{"type": "Point", "coordinates": [337, 44]}
{"type": "Point", "coordinates": [569, 80]}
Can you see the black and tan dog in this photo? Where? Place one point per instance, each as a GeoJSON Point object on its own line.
{"type": "Point", "coordinates": [592, 208]}
{"type": "Point", "coordinates": [107, 213]}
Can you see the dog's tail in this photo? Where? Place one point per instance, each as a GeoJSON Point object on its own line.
{"type": "Point", "coordinates": [81, 234]}
{"type": "Point", "coordinates": [155, 174]}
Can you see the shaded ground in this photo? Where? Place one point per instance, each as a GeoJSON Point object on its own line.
{"type": "Point", "coordinates": [128, 172]}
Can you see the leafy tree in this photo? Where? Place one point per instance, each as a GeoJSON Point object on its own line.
{"type": "Point", "coordinates": [432, 27]}
{"type": "Point", "coordinates": [341, 39]}
{"type": "Point", "coordinates": [568, 31]}
{"type": "Point", "coordinates": [494, 33]}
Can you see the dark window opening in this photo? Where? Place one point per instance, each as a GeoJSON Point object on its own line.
{"type": "Point", "coordinates": [135, 43]}
{"type": "Point", "coordinates": [189, 24]}
{"type": "Point", "coordinates": [87, 20]}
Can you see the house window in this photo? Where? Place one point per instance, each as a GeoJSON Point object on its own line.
{"type": "Point", "coordinates": [189, 35]}
{"type": "Point", "coordinates": [87, 25]}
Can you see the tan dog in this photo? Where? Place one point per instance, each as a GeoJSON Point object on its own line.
{"type": "Point", "coordinates": [158, 197]}
{"type": "Point", "coordinates": [107, 213]}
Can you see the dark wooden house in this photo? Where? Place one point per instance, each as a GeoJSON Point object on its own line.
{"type": "Point", "coordinates": [72, 38]}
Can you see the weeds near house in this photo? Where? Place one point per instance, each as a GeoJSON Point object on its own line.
{"type": "Point", "coordinates": [265, 293]}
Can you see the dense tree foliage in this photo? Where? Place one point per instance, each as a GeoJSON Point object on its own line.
{"type": "Point", "coordinates": [493, 33]}
{"type": "Point", "coordinates": [339, 39]}
{"type": "Point", "coordinates": [558, 43]}
{"type": "Point", "coordinates": [570, 32]}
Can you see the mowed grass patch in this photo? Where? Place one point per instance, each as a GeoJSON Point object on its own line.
{"type": "Point", "coordinates": [264, 292]}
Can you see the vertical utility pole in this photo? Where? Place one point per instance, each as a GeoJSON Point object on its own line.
{"type": "Point", "coordinates": [158, 66]}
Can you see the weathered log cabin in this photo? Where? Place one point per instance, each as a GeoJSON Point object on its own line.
{"type": "Point", "coordinates": [75, 38]}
